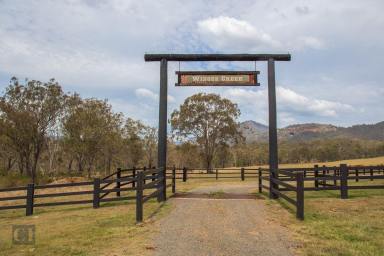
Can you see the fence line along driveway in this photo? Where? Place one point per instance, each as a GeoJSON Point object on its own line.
{"type": "Point", "coordinates": [221, 227]}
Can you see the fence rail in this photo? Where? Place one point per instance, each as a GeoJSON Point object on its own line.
{"type": "Point", "coordinates": [298, 201]}
{"type": "Point", "coordinates": [297, 180]}
{"type": "Point", "coordinates": [146, 183]}
{"type": "Point", "coordinates": [228, 173]}
{"type": "Point", "coordinates": [123, 180]}
{"type": "Point", "coordinates": [316, 179]}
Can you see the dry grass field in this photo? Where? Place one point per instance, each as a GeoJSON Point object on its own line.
{"type": "Point", "coordinates": [362, 161]}
{"type": "Point", "coordinates": [331, 227]}
{"type": "Point", "coordinates": [82, 230]}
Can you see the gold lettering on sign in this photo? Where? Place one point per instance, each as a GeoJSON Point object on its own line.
{"type": "Point", "coordinates": [239, 78]}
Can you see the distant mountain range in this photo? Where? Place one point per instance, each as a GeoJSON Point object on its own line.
{"type": "Point", "coordinates": [254, 131]}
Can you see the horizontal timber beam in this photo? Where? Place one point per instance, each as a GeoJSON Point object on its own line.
{"type": "Point", "coordinates": [217, 57]}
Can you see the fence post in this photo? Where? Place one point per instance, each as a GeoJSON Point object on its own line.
{"type": "Point", "coordinates": [174, 179]}
{"type": "Point", "coordinates": [184, 174]}
{"type": "Point", "coordinates": [343, 181]}
{"type": "Point", "coordinates": [144, 169]}
{"type": "Point", "coordinates": [154, 174]}
{"type": "Point", "coordinates": [335, 177]}
{"type": "Point", "coordinates": [118, 176]}
{"type": "Point", "coordinates": [30, 197]}
{"type": "Point", "coordinates": [159, 186]}
{"type": "Point", "coordinates": [242, 174]}
{"type": "Point", "coordinates": [316, 174]}
{"type": "Point", "coordinates": [133, 176]}
{"type": "Point", "coordinates": [357, 175]}
{"type": "Point", "coordinates": [371, 173]}
{"type": "Point", "coordinates": [217, 174]}
{"type": "Point", "coordinates": [300, 196]}
{"type": "Point", "coordinates": [96, 193]}
{"type": "Point", "coordinates": [273, 174]}
{"type": "Point", "coordinates": [260, 181]}
{"type": "Point", "coordinates": [139, 197]}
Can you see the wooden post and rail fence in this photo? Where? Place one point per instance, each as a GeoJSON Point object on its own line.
{"type": "Point", "coordinates": [110, 188]}
{"type": "Point", "coordinates": [338, 176]}
{"type": "Point", "coordinates": [296, 180]}
{"type": "Point", "coordinates": [135, 182]}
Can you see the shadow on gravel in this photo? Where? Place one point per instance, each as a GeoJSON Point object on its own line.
{"type": "Point", "coordinates": [217, 195]}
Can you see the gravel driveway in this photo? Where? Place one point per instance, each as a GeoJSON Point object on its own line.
{"type": "Point", "coordinates": [225, 220]}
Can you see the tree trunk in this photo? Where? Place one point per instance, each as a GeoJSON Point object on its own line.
{"type": "Point", "coordinates": [80, 164]}
{"type": "Point", "coordinates": [28, 168]}
{"type": "Point", "coordinates": [51, 158]}
{"type": "Point", "coordinates": [70, 165]}
{"type": "Point", "coordinates": [34, 164]}
{"type": "Point", "coordinates": [89, 171]}
{"type": "Point", "coordinates": [109, 164]}
{"type": "Point", "coordinates": [10, 164]}
{"type": "Point", "coordinates": [209, 163]}
{"type": "Point", "coordinates": [80, 167]}
{"type": "Point", "coordinates": [21, 164]}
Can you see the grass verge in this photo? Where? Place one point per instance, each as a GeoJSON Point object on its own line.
{"type": "Point", "coordinates": [70, 230]}
{"type": "Point", "coordinates": [333, 226]}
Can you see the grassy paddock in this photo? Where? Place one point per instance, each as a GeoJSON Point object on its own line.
{"type": "Point", "coordinates": [334, 226]}
{"type": "Point", "coordinates": [82, 230]}
{"type": "Point", "coordinates": [362, 161]}
{"type": "Point", "coordinates": [354, 162]}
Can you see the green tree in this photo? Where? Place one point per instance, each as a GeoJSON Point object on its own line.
{"type": "Point", "coordinates": [133, 141]}
{"type": "Point", "coordinates": [142, 141]}
{"type": "Point", "coordinates": [88, 128]}
{"type": "Point", "coordinates": [149, 138]}
{"type": "Point", "coordinates": [183, 155]}
{"type": "Point", "coordinates": [27, 112]}
{"type": "Point", "coordinates": [7, 154]}
{"type": "Point", "coordinates": [113, 143]}
{"type": "Point", "coordinates": [208, 120]}
{"type": "Point", "coordinates": [223, 155]}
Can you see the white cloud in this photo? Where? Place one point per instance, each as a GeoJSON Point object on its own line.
{"type": "Point", "coordinates": [230, 32]}
{"type": "Point", "coordinates": [292, 106]}
{"type": "Point", "coordinates": [302, 10]}
{"type": "Point", "coordinates": [136, 110]}
{"type": "Point", "coordinates": [96, 48]}
{"type": "Point", "coordinates": [171, 99]}
{"type": "Point", "coordinates": [146, 93]}
{"type": "Point", "coordinates": [310, 42]}
{"type": "Point", "coordinates": [292, 101]}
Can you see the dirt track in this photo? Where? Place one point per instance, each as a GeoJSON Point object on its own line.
{"type": "Point", "coordinates": [220, 220]}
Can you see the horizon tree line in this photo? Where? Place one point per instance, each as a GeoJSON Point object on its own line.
{"type": "Point", "coordinates": [46, 132]}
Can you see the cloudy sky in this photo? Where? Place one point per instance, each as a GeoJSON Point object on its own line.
{"type": "Point", "coordinates": [96, 48]}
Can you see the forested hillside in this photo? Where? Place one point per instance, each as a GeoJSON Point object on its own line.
{"type": "Point", "coordinates": [253, 131]}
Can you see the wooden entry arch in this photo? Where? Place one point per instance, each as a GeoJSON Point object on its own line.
{"type": "Point", "coordinates": [162, 134]}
